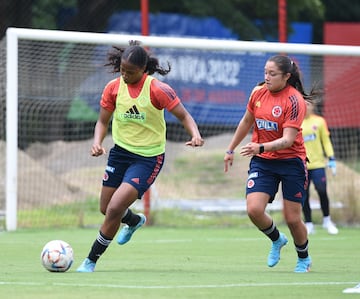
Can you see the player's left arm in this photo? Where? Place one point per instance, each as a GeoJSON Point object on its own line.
{"type": "Point", "coordinates": [287, 140]}
{"type": "Point", "coordinates": [164, 96]}
{"type": "Point", "coordinates": [324, 134]}
{"type": "Point", "coordinates": [327, 146]}
{"type": "Point", "coordinates": [180, 112]}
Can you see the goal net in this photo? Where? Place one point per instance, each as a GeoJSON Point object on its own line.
{"type": "Point", "coordinates": [50, 102]}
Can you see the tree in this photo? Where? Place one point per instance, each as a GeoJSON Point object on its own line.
{"type": "Point", "coordinates": [92, 15]}
{"type": "Point", "coordinates": [80, 15]}
{"type": "Point", "coordinates": [342, 11]}
{"type": "Point", "coordinates": [15, 14]}
{"type": "Point", "coordinates": [249, 19]}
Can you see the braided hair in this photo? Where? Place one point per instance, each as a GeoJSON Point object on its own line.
{"type": "Point", "coordinates": [136, 55]}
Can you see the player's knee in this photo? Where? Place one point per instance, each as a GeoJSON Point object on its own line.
{"type": "Point", "coordinates": [103, 210]}
{"type": "Point", "coordinates": [292, 222]}
{"type": "Point", "coordinates": [254, 212]}
{"type": "Point", "coordinates": [113, 212]}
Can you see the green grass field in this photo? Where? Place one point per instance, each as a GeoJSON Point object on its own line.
{"type": "Point", "coordinates": [180, 263]}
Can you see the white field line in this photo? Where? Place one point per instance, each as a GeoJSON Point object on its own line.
{"type": "Point", "coordinates": [201, 286]}
{"type": "Point", "coordinates": [234, 239]}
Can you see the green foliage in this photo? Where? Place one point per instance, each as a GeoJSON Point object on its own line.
{"type": "Point", "coordinates": [45, 12]}
{"type": "Point", "coordinates": [240, 15]}
{"type": "Point", "coordinates": [342, 11]}
{"type": "Point", "coordinates": [237, 15]}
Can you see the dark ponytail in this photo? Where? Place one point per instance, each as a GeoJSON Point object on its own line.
{"type": "Point", "coordinates": [286, 65]}
{"type": "Point", "coordinates": [137, 55]}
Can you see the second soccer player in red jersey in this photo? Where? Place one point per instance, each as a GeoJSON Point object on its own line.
{"type": "Point", "coordinates": [275, 111]}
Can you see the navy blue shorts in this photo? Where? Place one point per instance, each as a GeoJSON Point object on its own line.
{"type": "Point", "coordinates": [138, 171]}
{"type": "Point", "coordinates": [265, 176]}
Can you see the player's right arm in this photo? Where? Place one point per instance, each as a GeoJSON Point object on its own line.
{"type": "Point", "coordinates": [107, 107]}
{"type": "Point", "coordinates": [242, 130]}
{"type": "Point", "coordinates": [100, 132]}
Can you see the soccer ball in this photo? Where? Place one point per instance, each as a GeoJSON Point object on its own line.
{"type": "Point", "coordinates": [57, 256]}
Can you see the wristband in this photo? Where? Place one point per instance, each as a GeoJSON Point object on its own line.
{"type": "Point", "coordinates": [229, 152]}
{"type": "Point", "coordinates": [261, 148]}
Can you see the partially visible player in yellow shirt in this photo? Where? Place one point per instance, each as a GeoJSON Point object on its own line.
{"type": "Point", "coordinates": [320, 154]}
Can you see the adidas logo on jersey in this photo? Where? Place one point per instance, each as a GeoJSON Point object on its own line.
{"type": "Point", "coordinates": [134, 114]}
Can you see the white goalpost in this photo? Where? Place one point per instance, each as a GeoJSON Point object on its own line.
{"type": "Point", "coordinates": [209, 75]}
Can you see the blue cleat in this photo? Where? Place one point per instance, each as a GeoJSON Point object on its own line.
{"type": "Point", "coordinates": [87, 266]}
{"type": "Point", "coordinates": [303, 265]}
{"type": "Point", "coordinates": [274, 255]}
{"type": "Point", "coordinates": [127, 231]}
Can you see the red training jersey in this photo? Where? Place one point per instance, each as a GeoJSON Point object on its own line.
{"type": "Point", "coordinates": [161, 94]}
{"type": "Point", "coordinates": [273, 112]}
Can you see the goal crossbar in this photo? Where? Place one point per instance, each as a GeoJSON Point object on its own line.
{"type": "Point", "coordinates": [181, 42]}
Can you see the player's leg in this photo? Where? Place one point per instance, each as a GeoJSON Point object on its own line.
{"type": "Point", "coordinates": [256, 204]}
{"type": "Point", "coordinates": [141, 175]}
{"type": "Point", "coordinates": [307, 212]}
{"type": "Point", "coordinates": [117, 209]}
{"type": "Point", "coordinates": [115, 198]}
{"type": "Point", "coordinates": [294, 184]}
{"type": "Point", "coordinates": [307, 208]}
{"type": "Point", "coordinates": [105, 197]}
{"type": "Point", "coordinates": [292, 215]}
{"type": "Point", "coordinates": [319, 179]}
{"type": "Point", "coordinates": [121, 199]}
{"type": "Point", "coordinates": [261, 189]}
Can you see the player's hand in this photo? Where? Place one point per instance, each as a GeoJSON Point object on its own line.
{"type": "Point", "coordinates": [228, 160]}
{"type": "Point", "coordinates": [195, 141]}
{"type": "Point", "coordinates": [332, 165]}
{"type": "Point", "coordinates": [249, 150]}
{"type": "Point", "coordinates": [97, 150]}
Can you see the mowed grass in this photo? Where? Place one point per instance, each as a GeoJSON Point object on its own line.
{"type": "Point", "coordinates": [180, 263]}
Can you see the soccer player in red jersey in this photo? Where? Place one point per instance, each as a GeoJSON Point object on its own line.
{"type": "Point", "coordinates": [275, 111]}
{"type": "Point", "coordinates": [135, 104]}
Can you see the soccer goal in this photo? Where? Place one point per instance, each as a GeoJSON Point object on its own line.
{"type": "Point", "coordinates": [54, 81]}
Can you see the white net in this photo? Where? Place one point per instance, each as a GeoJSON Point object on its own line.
{"type": "Point", "coordinates": [59, 88]}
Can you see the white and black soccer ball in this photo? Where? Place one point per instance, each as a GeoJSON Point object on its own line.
{"type": "Point", "coordinates": [57, 256]}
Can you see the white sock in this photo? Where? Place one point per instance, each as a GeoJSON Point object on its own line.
{"type": "Point", "coordinates": [326, 220]}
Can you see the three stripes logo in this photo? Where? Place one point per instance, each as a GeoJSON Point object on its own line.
{"type": "Point", "coordinates": [133, 110]}
{"type": "Point", "coordinates": [133, 114]}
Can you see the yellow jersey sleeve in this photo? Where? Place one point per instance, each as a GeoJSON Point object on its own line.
{"type": "Point", "coordinates": [317, 141]}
